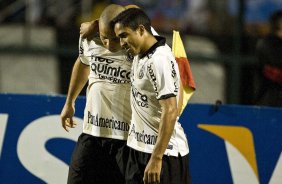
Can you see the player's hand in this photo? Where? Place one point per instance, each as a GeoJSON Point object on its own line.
{"type": "Point", "coordinates": [152, 174]}
{"type": "Point", "coordinates": [67, 117]}
{"type": "Point", "coordinates": [89, 30]}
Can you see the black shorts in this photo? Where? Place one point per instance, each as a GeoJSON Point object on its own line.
{"type": "Point", "coordinates": [98, 160]}
{"type": "Point", "coordinates": [175, 170]}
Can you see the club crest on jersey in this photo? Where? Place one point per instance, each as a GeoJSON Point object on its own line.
{"type": "Point", "coordinates": [141, 73]}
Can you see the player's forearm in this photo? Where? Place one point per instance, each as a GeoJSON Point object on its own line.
{"type": "Point", "coordinates": [168, 119]}
{"type": "Point", "coordinates": [79, 77]}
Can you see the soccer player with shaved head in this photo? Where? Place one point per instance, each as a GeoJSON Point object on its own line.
{"type": "Point", "coordinates": [100, 153]}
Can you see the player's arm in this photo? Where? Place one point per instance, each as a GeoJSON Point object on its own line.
{"type": "Point", "coordinates": [89, 30]}
{"type": "Point", "coordinates": [79, 77]}
{"type": "Point", "coordinates": [168, 119]}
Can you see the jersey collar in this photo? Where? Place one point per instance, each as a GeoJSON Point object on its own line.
{"type": "Point", "coordinates": [160, 42]}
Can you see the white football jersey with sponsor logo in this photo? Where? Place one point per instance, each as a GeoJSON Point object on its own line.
{"type": "Point", "coordinates": [107, 112]}
{"type": "Point", "coordinates": [154, 76]}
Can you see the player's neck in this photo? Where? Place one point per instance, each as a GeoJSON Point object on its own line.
{"type": "Point", "coordinates": [149, 41]}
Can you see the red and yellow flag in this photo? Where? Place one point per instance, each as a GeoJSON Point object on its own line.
{"type": "Point", "coordinates": [188, 85]}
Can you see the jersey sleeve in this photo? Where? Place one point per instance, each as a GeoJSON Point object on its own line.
{"type": "Point", "coordinates": [82, 52]}
{"type": "Point", "coordinates": [163, 76]}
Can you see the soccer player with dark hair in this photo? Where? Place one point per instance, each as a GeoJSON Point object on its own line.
{"type": "Point", "coordinates": [158, 148]}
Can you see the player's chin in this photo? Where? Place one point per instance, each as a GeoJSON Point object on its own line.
{"type": "Point", "coordinates": [114, 48]}
{"type": "Point", "coordinates": [131, 52]}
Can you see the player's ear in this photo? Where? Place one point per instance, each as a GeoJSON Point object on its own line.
{"type": "Point", "coordinates": [141, 30]}
{"type": "Point", "coordinates": [96, 25]}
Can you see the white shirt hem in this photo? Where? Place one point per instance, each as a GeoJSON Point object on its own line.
{"type": "Point", "coordinates": [105, 136]}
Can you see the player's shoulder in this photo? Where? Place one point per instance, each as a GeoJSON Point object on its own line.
{"type": "Point", "coordinates": [91, 44]}
{"type": "Point", "coordinates": [162, 53]}
{"type": "Point", "coordinates": [159, 52]}
{"type": "Point", "coordinates": [164, 50]}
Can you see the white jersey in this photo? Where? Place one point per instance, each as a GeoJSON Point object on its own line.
{"type": "Point", "coordinates": [107, 112]}
{"type": "Point", "coordinates": [154, 76]}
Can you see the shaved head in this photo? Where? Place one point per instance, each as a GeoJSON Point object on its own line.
{"type": "Point", "coordinates": [107, 33]}
{"type": "Point", "coordinates": [109, 13]}
{"type": "Point", "coordinates": [131, 6]}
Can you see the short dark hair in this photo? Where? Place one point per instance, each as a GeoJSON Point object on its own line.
{"type": "Point", "coordinates": [132, 18]}
{"type": "Point", "coordinates": [275, 20]}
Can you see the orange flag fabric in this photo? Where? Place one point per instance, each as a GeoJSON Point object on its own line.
{"type": "Point", "coordinates": [188, 84]}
